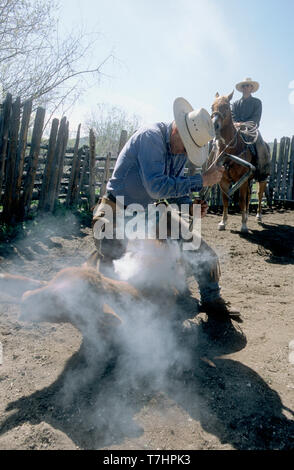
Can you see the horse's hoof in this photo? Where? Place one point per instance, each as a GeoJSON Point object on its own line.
{"type": "Point", "coordinates": [221, 226]}
{"type": "Point", "coordinates": [244, 230]}
{"type": "Point", "coordinates": [259, 218]}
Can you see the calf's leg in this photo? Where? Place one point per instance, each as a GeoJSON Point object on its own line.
{"type": "Point", "coordinates": [15, 285]}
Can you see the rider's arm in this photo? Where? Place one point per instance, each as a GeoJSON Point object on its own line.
{"type": "Point", "coordinates": [256, 115]}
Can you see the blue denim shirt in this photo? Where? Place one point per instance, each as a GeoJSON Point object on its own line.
{"type": "Point", "coordinates": [247, 109]}
{"type": "Point", "coordinates": [146, 170]}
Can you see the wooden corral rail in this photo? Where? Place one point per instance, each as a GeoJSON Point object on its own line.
{"type": "Point", "coordinates": [280, 186]}
{"type": "Point", "coordinates": [37, 174]}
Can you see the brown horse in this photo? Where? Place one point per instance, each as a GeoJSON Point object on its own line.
{"type": "Point", "coordinates": [229, 138]}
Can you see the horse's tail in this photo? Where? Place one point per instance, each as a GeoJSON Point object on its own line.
{"type": "Point", "coordinates": [15, 285]}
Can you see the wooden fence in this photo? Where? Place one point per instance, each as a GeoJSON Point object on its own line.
{"type": "Point", "coordinates": [280, 186]}
{"type": "Point", "coordinates": [36, 173]}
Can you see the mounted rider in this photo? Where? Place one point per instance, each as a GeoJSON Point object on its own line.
{"type": "Point", "coordinates": [246, 114]}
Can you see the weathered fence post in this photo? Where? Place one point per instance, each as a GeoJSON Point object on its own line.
{"type": "Point", "coordinates": [8, 213]}
{"type": "Point", "coordinates": [105, 175]}
{"type": "Point", "coordinates": [72, 185]}
{"type": "Point", "coordinates": [77, 183]}
{"type": "Point", "coordinates": [290, 195]}
{"type": "Point", "coordinates": [29, 181]}
{"type": "Point", "coordinates": [272, 179]}
{"type": "Point", "coordinates": [84, 167]}
{"type": "Point", "coordinates": [20, 156]}
{"type": "Point", "coordinates": [4, 130]}
{"type": "Point", "coordinates": [55, 165]}
{"type": "Point", "coordinates": [279, 168]}
{"type": "Point", "coordinates": [61, 159]}
{"type": "Point", "coordinates": [44, 202]}
{"type": "Point", "coordinates": [285, 168]}
{"type": "Point", "coordinates": [92, 177]}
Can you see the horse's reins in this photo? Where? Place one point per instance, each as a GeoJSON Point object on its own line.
{"type": "Point", "coordinates": [226, 147]}
{"type": "Point", "coordinates": [251, 130]}
{"type": "Point", "coordinates": [220, 160]}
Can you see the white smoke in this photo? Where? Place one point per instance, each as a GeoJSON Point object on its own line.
{"type": "Point", "coordinates": [149, 340]}
{"type": "Point", "coordinates": [152, 264]}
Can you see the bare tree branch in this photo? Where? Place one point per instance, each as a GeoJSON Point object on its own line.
{"type": "Point", "coordinates": [36, 61]}
{"type": "Point", "coordinates": [107, 122]}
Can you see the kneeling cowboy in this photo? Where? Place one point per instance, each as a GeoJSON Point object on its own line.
{"type": "Point", "coordinates": [149, 168]}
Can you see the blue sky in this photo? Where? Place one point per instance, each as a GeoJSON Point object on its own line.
{"type": "Point", "coordinates": [191, 48]}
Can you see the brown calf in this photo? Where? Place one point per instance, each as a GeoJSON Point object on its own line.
{"type": "Point", "coordinates": [77, 295]}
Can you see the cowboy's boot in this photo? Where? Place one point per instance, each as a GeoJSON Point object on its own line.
{"type": "Point", "coordinates": [220, 310]}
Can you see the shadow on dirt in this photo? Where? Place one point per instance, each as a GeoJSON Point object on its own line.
{"type": "Point", "coordinates": [232, 402]}
{"type": "Point", "coordinates": [99, 408]}
{"type": "Point", "coordinates": [29, 240]}
{"type": "Point", "coordinates": [94, 411]}
{"type": "Point", "coordinates": [275, 242]}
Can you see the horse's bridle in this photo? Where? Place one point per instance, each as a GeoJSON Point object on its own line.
{"type": "Point", "coordinates": [222, 117]}
{"type": "Point", "coordinates": [234, 138]}
{"type": "Point", "coordinates": [217, 113]}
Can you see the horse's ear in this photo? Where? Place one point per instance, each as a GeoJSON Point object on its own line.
{"type": "Point", "coordinates": [217, 95]}
{"type": "Point", "coordinates": [230, 96]}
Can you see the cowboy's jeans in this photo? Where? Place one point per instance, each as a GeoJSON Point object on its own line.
{"type": "Point", "coordinates": [202, 262]}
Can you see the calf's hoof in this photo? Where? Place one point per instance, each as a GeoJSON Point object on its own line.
{"type": "Point", "coordinates": [244, 230]}
{"type": "Point", "coordinates": [259, 218]}
{"type": "Point", "coordinates": [221, 226]}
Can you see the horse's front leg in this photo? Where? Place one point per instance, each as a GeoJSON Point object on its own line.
{"type": "Point", "coordinates": [225, 185]}
{"type": "Point", "coordinates": [261, 189]}
{"type": "Point", "coordinates": [244, 205]}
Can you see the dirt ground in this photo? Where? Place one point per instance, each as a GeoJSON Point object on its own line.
{"type": "Point", "coordinates": [237, 393]}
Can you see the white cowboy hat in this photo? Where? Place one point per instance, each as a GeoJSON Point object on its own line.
{"type": "Point", "coordinates": [248, 81]}
{"type": "Point", "coordinates": [195, 128]}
